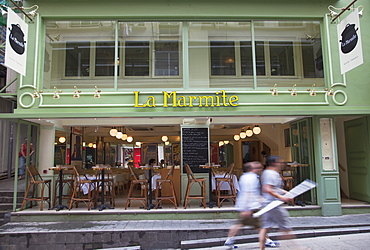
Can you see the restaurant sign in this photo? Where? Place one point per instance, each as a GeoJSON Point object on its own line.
{"type": "Point", "coordinates": [174, 99]}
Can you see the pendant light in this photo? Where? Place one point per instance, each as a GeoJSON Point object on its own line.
{"type": "Point", "coordinates": [249, 132]}
{"type": "Point", "coordinates": [256, 130]}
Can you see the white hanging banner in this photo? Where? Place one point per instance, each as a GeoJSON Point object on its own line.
{"type": "Point", "coordinates": [350, 46]}
{"type": "Point", "coordinates": [16, 46]}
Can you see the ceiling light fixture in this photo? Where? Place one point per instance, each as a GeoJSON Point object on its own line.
{"type": "Point", "coordinates": [164, 138]}
{"type": "Point", "coordinates": [236, 137]}
{"type": "Point", "coordinates": [249, 132]}
{"type": "Point", "coordinates": [62, 139]}
{"type": "Point", "coordinates": [113, 131]}
{"type": "Point", "coordinates": [257, 129]}
{"type": "Point", "coordinates": [243, 134]}
{"type": "Point", "coordinates": [130, 139]}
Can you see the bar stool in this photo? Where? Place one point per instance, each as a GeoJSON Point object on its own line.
{"type": "Point", "coordinates": [81, 183]}
{"type": "Point", "coordinates": [158, 191]}
{"type": "Point", "coordinates": [135, 182]}
{"type": "Point", "coordinates": [67, 179]}
{"type": "Point", "coordinates": [191, 180]}
{"type": "Point", "coordinates": [35, 181]}
{"type": "Point", "coordinates": [228, 179]}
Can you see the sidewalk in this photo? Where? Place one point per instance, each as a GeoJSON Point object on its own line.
{"type": "Point", "coordinates": [162, 234]}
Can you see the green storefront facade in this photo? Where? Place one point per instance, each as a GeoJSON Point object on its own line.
{"type": "Point", "coordinates": [214, 64]}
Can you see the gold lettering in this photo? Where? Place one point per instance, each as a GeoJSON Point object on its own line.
{"type": "Point", "coordinates": [206, 104]}
{"type": "Point", "coordinates": [191, 100]}
{"type": "Point", "coordinates": [137, 100]}
{"type": "Point", "coordinates": [181, 101]}
{"type": "Point", "coordinates": [224, 97]}
{"type": "Point", "coordinates": [217, 99]}
{"type": "Point", "coordinates": [233, 99]}
{"type": "Point", "coordinates": [166, 96]}
{"type": "Point", "coordinates": [151, 101]}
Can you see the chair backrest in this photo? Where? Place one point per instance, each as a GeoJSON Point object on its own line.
{"type": "Point", "coordinates": [170, 173]}
{"type": "Point", "coordinates": [33, 173]}
{"type": "Point", "coordinates": [189, 172]}
{"type": "Point", "coordinates": [229, 171]}
{"type": "Point", "coordinates": [132, 173]}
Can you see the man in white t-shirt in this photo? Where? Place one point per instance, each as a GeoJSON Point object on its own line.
{"type": "Point", "coordinates": [248, 201]}
{"type": "Point", "coordinates": [272, 189]}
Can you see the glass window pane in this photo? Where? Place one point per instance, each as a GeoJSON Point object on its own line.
{"type": "Point", "coordinates": [166, 58]}
{"type": "Point", "coordinates": [281, 58]}
{"type": "Point", "coordinates": [137, 58]}
{"type": "Point", "coordinates": [79, 49]}
{"type": "Point", "coordinates": [313, 65]}
{"type": "Point", "coordinates": [77, 59]}
{"type": "Point", "coordinates": [104, 59]}
{"type": "Point", "coordinates": [222, 58]}
{"type": "Point", "coordinates": [292, 53]}
{"type": "Point", "coordinates": [246, 58]}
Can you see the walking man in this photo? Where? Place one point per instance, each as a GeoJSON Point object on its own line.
{"type": "Point", "coordinates": [248, 201]}
{"type": "Point", "coordinates": [272, 190]}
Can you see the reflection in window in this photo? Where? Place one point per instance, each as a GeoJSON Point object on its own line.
{"type": "Point", "coordinates": [222, 58]}
{"type": "Point", "coordinates": [281, 58]}
{"type": "Point", "coordinates": [166, 58]}
{"type": "Point", "coordinates": [247, 61]}
{"type": "Point", "coordinates": [137, 58]}
{"type": "Point", "coordinates": [77, 59]}
{"type": "Point", "coordinates": [104, 61]}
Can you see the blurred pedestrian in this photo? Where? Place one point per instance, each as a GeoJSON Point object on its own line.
{"type": "Point", "coordinates": [248, 201]}
{"type": "Point", "coordinates": [272, 190]}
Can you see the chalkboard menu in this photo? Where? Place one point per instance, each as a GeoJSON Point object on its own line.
{"type": "Point", "coordinates": [195, 147]}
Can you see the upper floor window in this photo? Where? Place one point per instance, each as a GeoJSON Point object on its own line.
{"type": "Point", "coordinates": [150, 54]}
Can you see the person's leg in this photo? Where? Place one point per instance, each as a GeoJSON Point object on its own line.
{"type": "Point", "coordinates": [232, 232]}
{"type": "Point", "coordinates": [262, 237]}
{"type": "Point", "coordinates": [22, 162]}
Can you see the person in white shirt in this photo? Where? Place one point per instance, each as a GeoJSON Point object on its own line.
{"type": "Point", "coordinates": [248, 200]}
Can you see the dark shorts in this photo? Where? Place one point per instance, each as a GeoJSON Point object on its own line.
{"type": "Point", "coordinates": [250, 221]}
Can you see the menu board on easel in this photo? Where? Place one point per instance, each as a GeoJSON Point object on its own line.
{"type": "Point", "coordinates": [195, 148]}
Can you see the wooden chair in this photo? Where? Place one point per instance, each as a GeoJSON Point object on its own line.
{"type": "Point", "coordinates": [36, 182]}
{"type": "Point", "coordinates": [67, 179]}
{"type": "Point", "coordinates": [160, 183]}
{"type": "Point", "coordinates": [143, 184]}
{"type": "Point", "coordinates": [121, 181]}
{"type": "Point", "coordinates": [80, 182]}
{"type": "Point", "coordinates": [226, 179]}
{"type": "Point", "coordinates": [192, 180]}
{"type": "Point", "coordinates": [109, 186]}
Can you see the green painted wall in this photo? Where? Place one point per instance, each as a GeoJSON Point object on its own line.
{"type": "Point", "coordinates": [261, 102]}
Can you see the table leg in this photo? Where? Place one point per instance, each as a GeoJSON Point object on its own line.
{"type": "Point", "coordinates": [102, 205]}
{"type": "Point", "coordinates": [211, 203]}
{"type": "Point", "coordinates": [60, 205]}
{"type": "Point", "coordinates": [150, 197]}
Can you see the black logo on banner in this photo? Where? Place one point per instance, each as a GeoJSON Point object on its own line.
{"type": "Point", "coordinates": [349, 38]}
{"type": "Point", "coordinates": [16, 39]}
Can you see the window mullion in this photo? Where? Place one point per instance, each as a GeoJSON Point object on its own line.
{"type": "Point", "coordinates": [237, 59]}
{"type": "Point", "coordinates": [92, 59]}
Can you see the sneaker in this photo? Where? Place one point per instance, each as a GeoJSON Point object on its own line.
{"type": "Point", "coordinates": [271, 243]}
{"type": "Point", "coordinates": [230, 245]}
